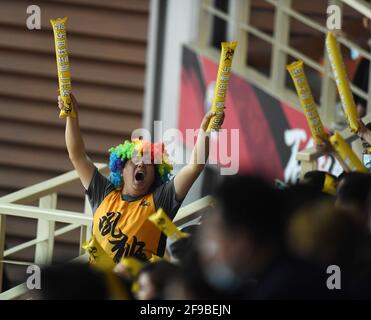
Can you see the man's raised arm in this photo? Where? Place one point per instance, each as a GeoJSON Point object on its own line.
{"type": "Point", "coordinates": [185, 178]}
{"type": "Point", "coordinates": [76, 148]}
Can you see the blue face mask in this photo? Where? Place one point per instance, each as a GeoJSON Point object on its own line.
{"type": "Point", "coordinates": [354, 53]}
{"type": "Point", "coordinates": [367, 161]}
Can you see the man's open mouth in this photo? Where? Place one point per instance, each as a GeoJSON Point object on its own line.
{"type": "Point", "coordinates": [139, 176]}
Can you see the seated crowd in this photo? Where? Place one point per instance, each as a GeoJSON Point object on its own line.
{"type": "Point", "coordinates": [303, 241]}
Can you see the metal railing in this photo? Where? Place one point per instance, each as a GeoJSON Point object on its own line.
{"type": "Point", "coordinates": [309, 157]}
{"type": "Point", "coordinates": [47, 215]}
{"type": "Point", "coordinates": [239, 19]}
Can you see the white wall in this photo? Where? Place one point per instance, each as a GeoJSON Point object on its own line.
{"type": "Point", "coordinates": [181, 27]}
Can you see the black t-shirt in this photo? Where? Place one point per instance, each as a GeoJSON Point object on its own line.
{"type": "Point", "coordinates": [163, 195]}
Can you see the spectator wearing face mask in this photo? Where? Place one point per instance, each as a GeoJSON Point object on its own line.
{"type": "Point", "coordinates": [244, 247]}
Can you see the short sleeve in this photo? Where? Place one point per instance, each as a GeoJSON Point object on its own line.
{"type": "Point", "coordinates": [99, 188]}
{"type": "Point", "coordinates": [164, 197]}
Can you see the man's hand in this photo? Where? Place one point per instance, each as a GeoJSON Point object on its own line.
{"type": "Point", "coordinates": [206, 120]}
{"type": "Point", "coordinates": [325, 147]}
{"type": "Point", "coordinates": [362, 129]}
{"type": "Point", "coordinates": [61, 104]}
{"type": "Point", "coordinates": [364, 133]}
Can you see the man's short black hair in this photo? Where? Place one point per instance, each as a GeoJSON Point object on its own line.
{"type": "Point", "coordinates": [79, 281]}
{"type": "Point", "coordinates": [355, 189]}
{"type": "Point", "coordinates": [250, 203]}
{"type": "Point", "coordinates": [316, 179]}
{"type": "Point", "coordinates": [75, 281]}
{"type": "Point", "coordinates": [301, 195]}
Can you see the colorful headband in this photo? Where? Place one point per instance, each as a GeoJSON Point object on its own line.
{"type": "Point", "coordinates": [138, 147]}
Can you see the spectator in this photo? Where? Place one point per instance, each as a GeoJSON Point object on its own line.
{"type": "Point", "coordinates": [120, 226]}
{"type": "Point", "coordinates": [153, 278]}
{"type": "Point", "coordinates": [77, 281]}
{"type": "Point", "coordinates": [323, 234]}
{"type": "Point", "coordinates": [353, 193]}
{"type": "Point", "coordinates": [321, 181]}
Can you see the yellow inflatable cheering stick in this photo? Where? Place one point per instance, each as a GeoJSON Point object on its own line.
{"type": "Point", "coordinates": [63, 66]}
{"type": "Point", "coordinates": [330, 184]}
{"type": "Point", "coordinates": [346, 154]}
{"type": "Point", "coordinates": [132, 266]}
{"type": "Point", "coordinates": [163, 222]}
{"type": "Point", "coordinates": [296, 70]}
{"type": "Point", "coordinates": [221, 86]}
{"type": "Point", "coordinates": [338, 68]}
{"type": "Point", "coordinates": [98, 258]}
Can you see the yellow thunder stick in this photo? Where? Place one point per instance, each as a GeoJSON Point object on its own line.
{"type": "Point", "coordinates": [63, 66]}
{"type": "Point", "coordinates": [296, 70]}
{"type": "Point", "coordinates": [163, 222]}
{"type": "Point", "coordinates": [345, 152]}
{"type": "Point", "coordinates": [221, 86]}
{"type": "Point", "coordinates": [97, 256]}
{"type": "Point", "coordinates": [329, 185]}
{"type": "Point", "coordinates": [155, 258]}
{"type": "Point", "coordinates": [132, 266]}
{"type": "Point", "coordinates": [338, 68]}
